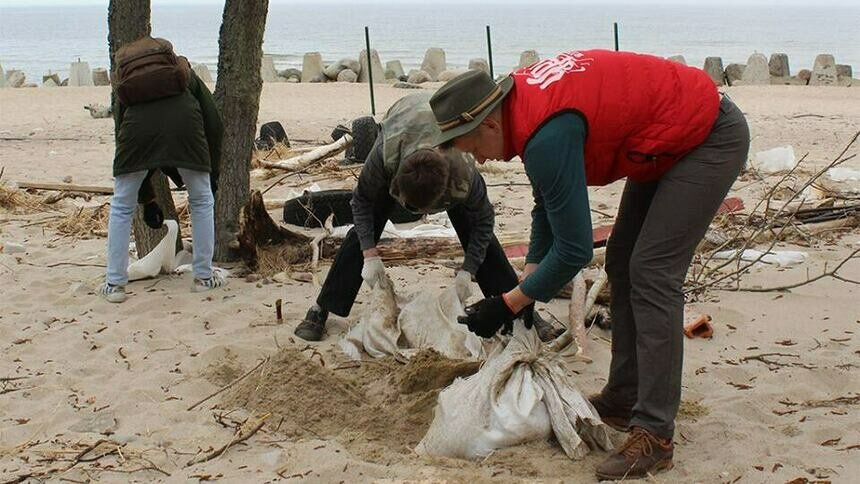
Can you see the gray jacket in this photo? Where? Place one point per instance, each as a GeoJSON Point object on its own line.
{"type": "Point", "coordinates": [374, 186]}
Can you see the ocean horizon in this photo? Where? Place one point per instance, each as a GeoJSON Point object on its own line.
{"type": "Point", "coordinates": [43, 39]}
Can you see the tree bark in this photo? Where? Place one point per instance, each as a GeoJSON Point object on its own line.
{"type": "Point", "coordinates": [237, 95]}
{"type": "Point", "coordinates": [128, 20]}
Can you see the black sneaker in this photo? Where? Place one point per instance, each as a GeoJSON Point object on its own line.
{"type": "Point", "coordinates": [312, 327]}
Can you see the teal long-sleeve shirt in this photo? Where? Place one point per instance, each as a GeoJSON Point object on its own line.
{"type": "Point", "coordinates": [561, 237]}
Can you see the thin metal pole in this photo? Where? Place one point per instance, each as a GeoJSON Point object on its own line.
{"type": "Point", "coordinates": [369, 70]}
{"type": "Point", "coordinates": [490, 52]}
{"type": "Point", "coordinates": [615, 31]}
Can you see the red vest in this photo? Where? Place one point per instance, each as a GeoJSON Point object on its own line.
{"type": "Point", "coordinates": [643, 113]}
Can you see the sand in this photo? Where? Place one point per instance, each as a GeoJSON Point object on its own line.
{"type": "Point", "coordinates": [75, 369]}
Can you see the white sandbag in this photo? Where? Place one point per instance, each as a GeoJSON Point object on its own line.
{"type": "Point", "coordinates": [429, 320]}
{"type": "Point", "coordinates": [520, 394]}
{"type": "Point", "coordinates": [161, 259]}
{"type": "Point", "coordinates": [377, 332]}
{"type": "Point", "coordinates": [775, 160]}
{"type": "Point", "coordinates": [781, 258]}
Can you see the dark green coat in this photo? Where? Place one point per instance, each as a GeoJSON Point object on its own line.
{"type": "Point", "coordinates": [183, 131]}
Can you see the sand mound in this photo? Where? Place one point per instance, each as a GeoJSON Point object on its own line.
{"type": "Point", "coordinates": [376, 403]}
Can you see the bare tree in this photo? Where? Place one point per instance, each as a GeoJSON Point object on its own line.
{"type": "Point", "coordinates": [237, 95]}
{"type": "Point", "coordinates": [128, 20]}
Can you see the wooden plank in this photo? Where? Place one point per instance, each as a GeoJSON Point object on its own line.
{"type": "Point", "coordinates": [66, 187]}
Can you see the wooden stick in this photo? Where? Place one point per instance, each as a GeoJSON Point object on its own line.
{"type": "Point", "coordinates": [304, 160]}
{"type": "Point", "coordinates": [66, 187]}
{"type": "Point", "coordinates": [229, 385]}
{"type": "Point", "coordinates": [241, 436]}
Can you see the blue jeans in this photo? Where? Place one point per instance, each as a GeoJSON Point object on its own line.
{"type": "Point", "coordinates": [201, 203]}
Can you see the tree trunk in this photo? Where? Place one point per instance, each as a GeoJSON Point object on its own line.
{"type": "Point", "coordinates": [237, 95]}
{"type": "Point", "coordinates": [128, 20]}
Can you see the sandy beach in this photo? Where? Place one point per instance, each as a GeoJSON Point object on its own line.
{"type": "Point", "coordinates": [774, 396]}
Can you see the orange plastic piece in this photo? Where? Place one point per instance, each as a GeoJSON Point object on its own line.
{"type": "Point", "coordinates": [698, 325]}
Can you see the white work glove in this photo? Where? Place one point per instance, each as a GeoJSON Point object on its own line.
{"type": "Point", "coordinates": [463, 284]}
{"type": "Point", "coordinates": [373, 271]}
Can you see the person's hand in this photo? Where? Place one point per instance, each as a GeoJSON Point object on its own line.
{"type": "Point", "coordinates": [463, 285]}
{"type": "Point", "coordinates": [527, 271]}
{"type": "Point", "coordinates": [152, 215]}
{"type": "Point", "coordinates": [373, 270]}
{"type": "Point", "coordinates": [487, 316]}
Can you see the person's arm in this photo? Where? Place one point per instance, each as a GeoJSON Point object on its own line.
{"type": "Point", "coordinates": [541, 234]}
{"type": "Point", "coordinates": [213, 126]}
{"type": "Point", "coordinates": [481, 218]}
{"type": "Point", "coordinates": [372, 181]}
{"type": "Point", "coordinates": [555, 165]}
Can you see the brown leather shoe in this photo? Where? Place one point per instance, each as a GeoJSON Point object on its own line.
{"type": "Point", "coordinates": [642, 455]}
{"type": "Point", "coordinates": [612, 415]}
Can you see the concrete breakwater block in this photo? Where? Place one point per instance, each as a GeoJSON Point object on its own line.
{"type": "Point", "coordinates": [842, 70]}
{"type": "Point", "coordinates": [101, 77]}
{"type": "Point", "coordinates": [267, 69]}
{"type": "Point", "coordinates": [679, 59]}
{"type": "Point", "coordinates": [374, 67]}
{"type": "Point", "coordinates": [332, 70]}
{"type": "Point", "coordinates": [291, 75]}
{"type": "Point", "coordinates": [479, 64]}
{"type": "Point", "coordinates": [15, 78]}
{"type": "Point", "coordinates": [55, 78]}
{"type": "Point", "coordinates": [803, 76]}
{"type": "Point", "coordinates": [2, 78]}
{"type": "Point", "coordinates": [824, 71]}
{"type": "Point", "coordinates": [396, 69]}
{"type": "Point", "coordinates": [734, 73]}
{"type": "Point", "coordinates": [80, 74]}
{"type": "Point", "coordinates": [418, 77]}
{"type": "Point", "coordinates": [347, 75]}
{"type": "Point", "coordinates": [202, 72]}
{"type": "Point", "coordinates": [778, 65]}
{"type": "Point", "coordinates": [312, 67]}
{"type": "Point", "coordinates": [527, 58]}
{"type": "Point", "coordinates": [50, 83]}
{"type": "Point", "coordinates": [446, 76]}
{"type": "Point", "coordinates": [434, 62]}
{"type": "Point", "coordinates": [757, 72]}
{"type": "Point", "coordinates": [714, 68]}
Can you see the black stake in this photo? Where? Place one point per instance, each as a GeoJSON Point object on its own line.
{"type": "Point", "coordinates": [615, 31]}
{"type": "Point", "coordinates": [369, 70]}
{"type": "Point", "coordinates": [490, 52]}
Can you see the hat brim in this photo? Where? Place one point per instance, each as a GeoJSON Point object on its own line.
{"type": "Point", "coordinates": [445, 136]}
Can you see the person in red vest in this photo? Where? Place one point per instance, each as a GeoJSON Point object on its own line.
{"type": "Point", "coordinates": [590, 118]}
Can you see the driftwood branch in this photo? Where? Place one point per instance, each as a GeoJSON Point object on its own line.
{"type": "Point", "coordinates": [66, 187]}
{"type": "Point", "coordinates": [246, 432]}
{"type": "Point", "coordinates": [314, 156]}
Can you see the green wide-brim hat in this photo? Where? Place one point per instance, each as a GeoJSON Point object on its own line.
{"type": "Point", "coordinates": [462, 103]}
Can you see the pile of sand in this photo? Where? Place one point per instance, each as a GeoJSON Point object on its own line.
{"type": "Point", "coordinates": [379, 403]}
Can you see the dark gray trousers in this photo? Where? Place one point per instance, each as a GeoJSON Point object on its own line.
{"type": "Point", "coordinates": [658, 227]}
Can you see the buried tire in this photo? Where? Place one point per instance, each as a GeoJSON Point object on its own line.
{"type": "Point", "coordinates": [313, 208]}
{"type": "Point", "coordinates": [364, 132]}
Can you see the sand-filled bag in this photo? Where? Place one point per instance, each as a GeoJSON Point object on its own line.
{"type": "Point", "coordinates": [520, 394]}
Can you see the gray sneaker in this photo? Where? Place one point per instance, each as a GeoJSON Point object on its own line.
{"type": "Point", "coordinates": [218, 279]}
{"type": "Point", "coordinates": [111, 293]}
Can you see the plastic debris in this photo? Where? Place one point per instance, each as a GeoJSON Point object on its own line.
{"type": "Point", "coordinates": [775, 160]}
{"type": "Point", "coordinates": [782, 258]}
{"type": "Point", "coordinates": [841, 174]}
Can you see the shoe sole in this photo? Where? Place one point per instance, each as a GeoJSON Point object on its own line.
{"type": "Point", "coordinates": [659, 466]}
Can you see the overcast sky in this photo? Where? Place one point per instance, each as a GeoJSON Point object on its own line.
{"type": "Point", "coordinates": [402, 2]}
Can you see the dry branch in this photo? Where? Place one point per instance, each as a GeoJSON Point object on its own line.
{"type": "Point", "coordinates": [246, 432]}
{"type": "Point", "coordinates": [306, 159]}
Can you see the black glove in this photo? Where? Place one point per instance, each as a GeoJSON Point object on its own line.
{"type": "Point", "coordinates": [487, 316]}
{"type": "Point", "coordinates": [152, 215]}
{"type": "Point", "coordinates": [529, 316]}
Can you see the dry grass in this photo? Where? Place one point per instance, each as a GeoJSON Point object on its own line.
{"type": "Point", "coordinates": [278, 152]}
{"type": "Point", "coordinates": [84, 223]}
{"type": "Point", "coordinates": [13, 199]}
{"type": "Point", "coordinates": [284, 257]}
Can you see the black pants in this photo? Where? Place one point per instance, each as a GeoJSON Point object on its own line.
{"type": "Point", "coordinates": [495, 275]}
{"type": "Point", "coordinates": [658, 227]}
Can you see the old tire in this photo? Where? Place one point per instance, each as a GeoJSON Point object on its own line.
{"type": "Point", "coordinates": [364, 132]}
{"type": "Point", "coordinates": [271, 134]}
{"type": "Point", "coordinates": [313, 208]}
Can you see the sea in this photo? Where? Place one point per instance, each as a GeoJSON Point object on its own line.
{"type": "Point", "coordinates": [46, 39]}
